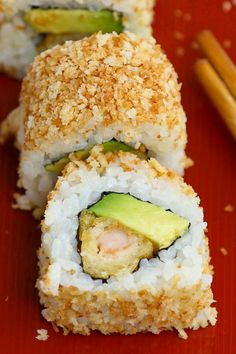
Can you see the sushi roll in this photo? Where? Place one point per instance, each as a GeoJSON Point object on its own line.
{"type": "Point", "coordinates": [116, 88]}
{"type": "Point", "coordinates": [123, 249]}
{"type": "Point", "coordinates": [28, 27]}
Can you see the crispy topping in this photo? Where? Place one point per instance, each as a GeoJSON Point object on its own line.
{"type": "Point", "coordinates": [7, 7]}
{"type": "Point", "coordinates": [187, 16]}
{"type": "Point", "coordinates": [224, 251]}
{"type": "Point", "coordinates": [229, 208]}
{"type": "Point", "coordinates": [42, 334]}
{"type": "Point", "coordinates": [178, 13]}
{"type": "Point", "coordinates": [195, 45]}
{"type": "Point", "coordinates": [98, 82]}
{"type": "Point", "coordinates": [178, 35]}
{"type": "Point", "coordinates": [127, 161]}
{"type": "Point", "coordinates": [227, 43]}
{"type": "Point", "coordinates": [226, 6]}
{"type": "Point", "coordinates": [180, 51]}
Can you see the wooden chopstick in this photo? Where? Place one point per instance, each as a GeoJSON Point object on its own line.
{"type": "Point", "coordinates": [218, 58]}
{"type": "Point", "coordinates": [218, 93]}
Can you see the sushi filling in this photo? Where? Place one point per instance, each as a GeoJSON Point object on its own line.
{"type": "Point", "coordinates": [110, 146]}
{"type": "Point", "coordinates": [120, 230]}
{"type": "Point", "coordinates": [108, 248]}
{"type": "Point", "coordinates": [55, 25]}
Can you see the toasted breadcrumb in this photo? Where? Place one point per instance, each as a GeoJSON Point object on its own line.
{"type": "Point", "coordinates": [226, 6]}
{"type": "Point", "coordinates": [227, 43]}
{"type": "Point", "coordinates": [189, 162]}
{"type": "Point", "coordinates": [42, 334]}
{"type": "Point", "coordinates": [223, 251]}
{"type": "Point", "coordinates": [7, 7]}
{"type": "Point", "coordinates": [179, 51]}
{"type": "Point", "coordinates": [178, 13]}
{"type": "Point", "coordinates": [54, 326]}
{"type": "Point", "coordinates": [187, 17]}
{"type": "Point", "coordinates": [182, 334]}
{"type": "Point", "coordinates": [128, 316]}
{"type": "Point", "coordinates": [38, 213]}
{"type": "Point", "coordinates": [155, 164]}
{"type": "Point", "coordinates": [229, 208]}
{"type": "Point", "coordinates": [195, 45]}
{"type": "Point", "coordinates": [123, 61]}
{"type": "Point", "coordinates": [99, 160]}
{"type": "Point", "coordinates": [178, 35]}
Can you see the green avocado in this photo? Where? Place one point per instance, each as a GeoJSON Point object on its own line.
{"type": "Point", "coordinates": [82, 154]}
{"type": "Point", "coordinates": [58, 165]}
{"type": "Point", "coordinates": [160, 226]}
{"type": "Point", "coordinates": [109, 146]}
{"type": "Point", "coordinates": [113, 146]}
{"type": "Point", "coordinates": [57, 21]}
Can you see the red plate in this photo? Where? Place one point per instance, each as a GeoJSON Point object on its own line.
{"type": "Point", "coordinates": [213, 176]}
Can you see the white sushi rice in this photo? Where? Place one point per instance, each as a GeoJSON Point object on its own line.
{"type": "Point", "coordinates": [37, 181]}
{"type": "Point", "coordinates": [59, 115]}
{"type": "Point", "coordinates": [82, 186]}
{"type": "Point", "coordinates": [17, 46]}
{"type": "Point", "coordinates": [18, 42]}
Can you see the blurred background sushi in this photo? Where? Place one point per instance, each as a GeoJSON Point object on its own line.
{"type": "Point", "coordinates": [31, 26]}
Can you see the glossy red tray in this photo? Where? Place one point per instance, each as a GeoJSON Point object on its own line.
{"type": "Point", "coordinates": [213, 176]}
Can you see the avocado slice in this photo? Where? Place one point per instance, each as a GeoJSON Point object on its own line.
{"type": "Point", "coordinates": [82, 154]}
{"type": "Point", "coordinates": [57, 21]}
{"type": "Point", "coordinates": [109, 146]}
{"type": "Point", "coordinates": [160, 226]}
{"type": "Point", "coordinates": [113, 146]}
{"type": "Point", "coordinates": [58, 165]}
{"type": "Point", "coordinates": [49, 40]}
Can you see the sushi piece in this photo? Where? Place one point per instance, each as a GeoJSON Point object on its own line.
{"type": "Point", "coordinates": [104, 88]}
{"type": "Point", "coordinates": [30, 26]}
{"type": "Point", "coordinates": [123, 249]}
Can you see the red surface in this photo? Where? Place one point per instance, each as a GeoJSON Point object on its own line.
{"type": "Point", "coordinates": [213, 176]}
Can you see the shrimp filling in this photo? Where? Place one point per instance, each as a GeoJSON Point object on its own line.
{"type": "Point", "coordinates": [108, 248]}
{"type": "Point", "coordinates": [113, 241]}
{"type": "Point", "coordinates": [120, 230]}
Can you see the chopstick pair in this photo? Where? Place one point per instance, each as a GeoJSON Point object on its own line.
{"type": "Point", "coordinates": [217, 75]}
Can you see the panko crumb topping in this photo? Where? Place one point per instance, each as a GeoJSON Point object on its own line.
{"type": "Point", "coordinates": [226, 6]}
{"type": "Point", "coordinates": [229, 208]}
{"type": "Point", "coordinates": [42, 334]}
{"type": "Point", "coordinates": [7, 7]}
{"type": "Point", "coordinates": [98, 82]}
{"type": "Point", "coordinates": [127, 161]}
{"type": "Point", "coordinates": [224, 251]}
